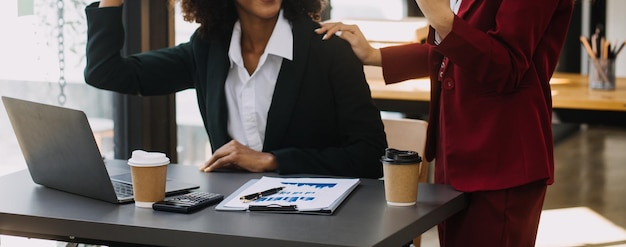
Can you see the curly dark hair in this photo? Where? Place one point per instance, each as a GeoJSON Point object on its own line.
{"type": "Point", "coordinates": [221, 14]}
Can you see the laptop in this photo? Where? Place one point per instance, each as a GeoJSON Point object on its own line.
{"type": "Point", "coordinates": [61, 152]}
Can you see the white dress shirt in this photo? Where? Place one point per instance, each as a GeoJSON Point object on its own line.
{"type": "Point", "coordinates": [249, 96]}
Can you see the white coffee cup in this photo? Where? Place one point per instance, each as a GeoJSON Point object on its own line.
{"type": "Point", "coordinates": [149, 173]}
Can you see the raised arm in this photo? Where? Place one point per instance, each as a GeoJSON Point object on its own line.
{"type": "Point", "coordinates": [157, 72]}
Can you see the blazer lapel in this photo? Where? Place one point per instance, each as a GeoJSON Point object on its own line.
{"type": "Point", "coordinates": [288, 84]}
{"type": "Point", "coordinates": [466, 5]}
{"type": "Point", "coordinates": [215, 98]}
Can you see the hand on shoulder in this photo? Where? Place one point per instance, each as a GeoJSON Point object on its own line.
{"type": "Point", "coordinates": [352, 33]}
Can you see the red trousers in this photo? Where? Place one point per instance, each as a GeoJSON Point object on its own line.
{"type": "Point", "coordinates": [500, 218]}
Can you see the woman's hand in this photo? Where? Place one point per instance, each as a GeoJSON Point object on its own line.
{"type": "Point", "coordinates": [351, 33]}
{"type": "Point", "coordinates": [237, 156]}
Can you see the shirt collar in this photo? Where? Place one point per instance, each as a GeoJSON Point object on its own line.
{"type": "Point", "coordinates": [455, 5]}
{"type": "Point", "coordinates": [280, 43]}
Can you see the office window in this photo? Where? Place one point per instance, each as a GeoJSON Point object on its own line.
{"type": "Point", "coordinates": [39, 65]}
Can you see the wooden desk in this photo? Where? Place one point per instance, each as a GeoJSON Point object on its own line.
{"type": "Point", "coordinates": [571, 91]}
{"type": "Point", "coordinates": [364, 219]}
{"type": "Point", "coordinates": [570, 94]}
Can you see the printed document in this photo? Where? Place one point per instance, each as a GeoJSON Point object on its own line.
{"type": "Point", "coordinates": [298, 194]}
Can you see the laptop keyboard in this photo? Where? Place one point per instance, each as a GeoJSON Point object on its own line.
{"type": "Point", "coordinates": [122, 189]}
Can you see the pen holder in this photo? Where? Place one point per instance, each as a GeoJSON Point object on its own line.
{"type": "Point", "coordinates": [602, 74]}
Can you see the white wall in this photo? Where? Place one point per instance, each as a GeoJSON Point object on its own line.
{"type": "Point", "coordinates": [368, 9]}
{"type": "Point", "coordinates": [616, 30]}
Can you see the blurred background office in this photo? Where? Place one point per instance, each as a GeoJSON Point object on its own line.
{"type": "Point", "coordinates": [42, 59]}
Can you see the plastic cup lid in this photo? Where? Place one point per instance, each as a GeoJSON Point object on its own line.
{"type": "Point", "coordinates": [396, 156]}
{"type": "Point", "coordinates": [143, 158]}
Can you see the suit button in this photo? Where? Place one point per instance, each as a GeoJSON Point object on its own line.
{"type": "Point", "coordinates": [448, 84]}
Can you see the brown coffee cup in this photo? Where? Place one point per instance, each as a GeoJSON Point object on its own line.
{"type": "Point", "coordinates": [149, 174]}
{"type": "Point", "coordinates": [401, 170]}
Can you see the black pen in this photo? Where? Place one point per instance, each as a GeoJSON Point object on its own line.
{"type": "Point", "coordinates": [618, 49]}
{"type": "Point", "coordinates": [254, 196]}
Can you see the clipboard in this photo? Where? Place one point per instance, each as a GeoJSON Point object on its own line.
{"type": "Point", "coordinates": [331, 201]}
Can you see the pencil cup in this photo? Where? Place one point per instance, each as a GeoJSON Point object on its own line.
{"type": "Point", "coordinates": [149, 173]}
{"type": "Point", "coordinates": [401, 170]}
{"type": "Point", "coordinates": [602, 77]}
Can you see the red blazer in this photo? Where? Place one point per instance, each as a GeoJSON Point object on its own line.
{"type": "Point", "coordinates": [490, 124]}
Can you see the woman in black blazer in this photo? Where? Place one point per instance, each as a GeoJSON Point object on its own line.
{"type": "Point", "coordinates": [318, 119]}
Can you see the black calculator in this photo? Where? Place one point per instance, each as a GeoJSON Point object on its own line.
{"type": "Point", "coordinates": [188, 203]}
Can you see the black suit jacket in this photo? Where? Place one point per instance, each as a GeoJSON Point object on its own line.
{"type": "Point", "coordinates": [321, 120]}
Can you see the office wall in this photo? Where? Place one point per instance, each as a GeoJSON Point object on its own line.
{"type": "Point", "coordinates": [615, 30]}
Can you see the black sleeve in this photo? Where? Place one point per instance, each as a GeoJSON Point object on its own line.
{"type": "Point", "coordinates": [159, 72]}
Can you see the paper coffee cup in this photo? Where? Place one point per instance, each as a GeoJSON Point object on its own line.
{"type": "Point", "coordinates": [401, 170]}
{"type": "Point", "coordinates": [149, 173]}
